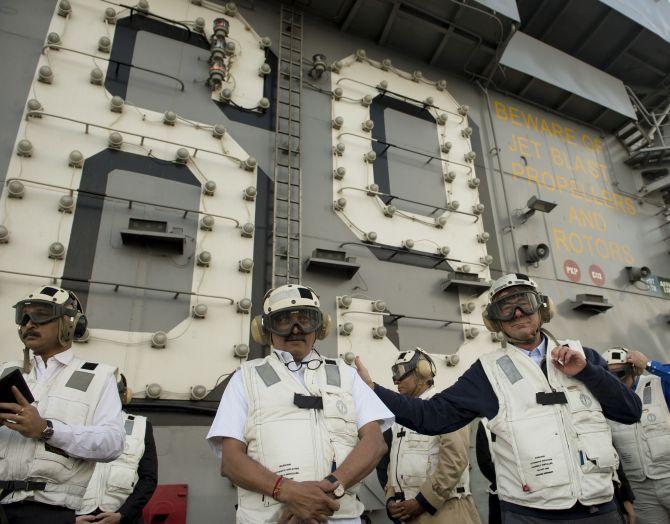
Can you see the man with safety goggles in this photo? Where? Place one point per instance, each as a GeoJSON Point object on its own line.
{"type": "Point", "coordinates": [644, 447]}
{"type": "Point", "coordinates": [50, 447]}
{"type": "Point", "coordinates": [428, 478]}
{"type": "Point", "coordinates": [295, 431]}
{"type": "Point", "coordinates": [545, 401]}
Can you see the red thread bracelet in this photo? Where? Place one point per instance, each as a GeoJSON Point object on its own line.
{"type": "Point", "coordinates": [277, 488]}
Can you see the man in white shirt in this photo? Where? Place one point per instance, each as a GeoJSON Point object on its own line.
{"type": "Point", "coordinates": [297, 432]}
{"type": "Point", "coordinates": [48, 449]}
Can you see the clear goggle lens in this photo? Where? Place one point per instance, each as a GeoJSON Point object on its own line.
{"type": "Point", "coordinates": [38, 312]}
{"type": "Point", "coordinates": [504, 308]}
{"type": "Point", "coordinates": [307, 319]}
{"type": "Point", "coordinates": [400, 371]}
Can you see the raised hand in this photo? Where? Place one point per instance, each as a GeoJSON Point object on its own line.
{"type": "Point", "coordinates": [363, 372]}
{"type": "Point", "coordinates": [568, 361]}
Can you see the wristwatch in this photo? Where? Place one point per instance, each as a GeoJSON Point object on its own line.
{"type": "Point", "coordinates": [338, 493]}
{"type": "Point", "coordinates": [48, 432]}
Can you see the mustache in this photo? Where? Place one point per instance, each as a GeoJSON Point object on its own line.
{"type": "Point", "coordinates": [30, 333]}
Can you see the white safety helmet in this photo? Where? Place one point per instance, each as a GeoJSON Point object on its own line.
{"type": "Point", "coordinates": [49, 303]}
{"type": "Point", "coordinates": [288, 305]}
{"type": "Point", "coordinates": [289, 296]}
{"type": "Point", "coordinates": [414, 360]}
{"type": "Point", "coordinates": [616, 355]}
{"type": "Point", "coordinates": [510, 280]}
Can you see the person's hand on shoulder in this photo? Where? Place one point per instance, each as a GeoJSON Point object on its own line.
{"type": "Point", "coordinates": [363, 372]}
{"type": "Point", "coordinates": [568, 361]}
{"type": "Point", "coordinates": [638, 359]}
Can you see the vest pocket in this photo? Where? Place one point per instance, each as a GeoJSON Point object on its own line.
{"type": "Point", "coordinates": [596, 453]}
{"type": "Point", "coordinates": [339, 412]}
{"type": "Point", "coordinates": [659, 446]}
{"type": "Point", "coordinates": [542, 462]}
{"type": "Point", "coordinates": [121, 479]}
{"type": "Point", "coordinates": [67, 411]}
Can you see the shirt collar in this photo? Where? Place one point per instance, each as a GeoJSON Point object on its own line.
{"type": "Point", "coordinates": [64, 358]}
{"type": "Point", "coordinates": [538, 353]}
{"type": "Point", "coordinates": [286, 357]}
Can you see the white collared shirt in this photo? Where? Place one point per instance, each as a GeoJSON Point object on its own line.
{"type": "Point", "coordinates": [538, 353]}
{"type": "Point", "coordinates": [231, 417]}
{"type": "Point", "coordinates": [103, 441]}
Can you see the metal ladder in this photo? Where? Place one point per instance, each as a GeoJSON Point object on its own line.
{"type": "Point", "coordinates": [286, 251]}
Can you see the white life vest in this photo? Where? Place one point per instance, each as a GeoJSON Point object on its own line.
{"type": "Point", "coordinates": [70, 397]}
{"type": "Point", "coordinates": [414, 457]}
{"type": "Point", "coordinates": [298, 443]}
{"type": "Point", "coordinates": [113, 482]}
{"type": "Point", "coordinates": [644, 447]}
{"type": "Point", "coordinates": [550, 455]}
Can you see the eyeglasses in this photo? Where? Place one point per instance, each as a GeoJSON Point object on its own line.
{"type": "Point", "coordinates": [312, 364]}
{"type": "Point", "coordinates": [505, 308]}
{"type": "Point", "coordinates": [281, 323]}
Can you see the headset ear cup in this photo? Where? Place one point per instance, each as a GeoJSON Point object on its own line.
{"type": "Point", "coordinates": [492, 325]}
{"type": "Point", "coordinates": [424, 369]}
{"type": "Point", "coordinates": [80, 325]}
{"type": "Point", "coordinates": [258, 332]}
{"type": "Point", "coordinates": [324, 330]}
{"type": "Point", "coordinates": [547, 310]}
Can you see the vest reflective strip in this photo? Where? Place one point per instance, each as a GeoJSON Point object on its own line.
{"type": "Point", "coordinates": [80, 380]}
{"type": "Point", "coordinates": [646, 393]}
{"type": "Point", "coordinates": [511, 372]}
{"type": "Point", "coordinates": [268, 375]}
{"type": "Point", "coordinates": [332, 373]}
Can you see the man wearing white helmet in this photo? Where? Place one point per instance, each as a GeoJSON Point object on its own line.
{"type": "Point", "coordinates": [297, 432]}
{"type": "Point", "coordinates": [48, 449]}
{"type": "Point", "coordinates": [428, 476]}
{"type": "Point", "coordinates": [545, 402]}
{"type": "Point", "coordinates": [644, 447]}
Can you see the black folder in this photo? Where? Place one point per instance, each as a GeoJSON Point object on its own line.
{"type": "Point", "coordinates": [15, 378]}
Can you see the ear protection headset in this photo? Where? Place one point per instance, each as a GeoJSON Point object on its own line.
{"type": "Point", "coordinates": [74, 329]}
{"type": "Point", "coordinates": [125, 393]}
{"type": "Point", "coordinates": [425, 367]}
{"type": "Point", "coordinates": [417, 361]}
{"type": "Point", "coordinates": [65, 307]}
{"type": "Point", "coordinates": [289, 296]}
{"type": "Point", "coordinates": [546, 308]}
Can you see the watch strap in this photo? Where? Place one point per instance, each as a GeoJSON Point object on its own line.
{"type": "Point", "coordinates": [333, 479]}
{"type": "Point", "coordinates": [48, 431]}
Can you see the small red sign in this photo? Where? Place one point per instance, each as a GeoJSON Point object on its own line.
{"type": "Point", "coordinates": [572, 270]}
{"type": "Point", "coordinates": [597, 275]}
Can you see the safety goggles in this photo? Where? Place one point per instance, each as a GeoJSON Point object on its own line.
{"type": "Point", "coordinates": [504, 308]}
{"type": "Point", "coordinates": [401, 371]}
{"type": "Point", "coordinates": [40, 312]}
{"type": "Point", "coordinates": [281, 323]}
{"type": "Point", "coordinates": [623, 372]}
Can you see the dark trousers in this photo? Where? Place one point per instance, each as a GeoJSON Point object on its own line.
{"type": "Point", "coordinates": [494, 509]}
{"type": "Point", "coordinates": [612, 517]}
{"type": "Point", "coordinates": [29, 512]}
